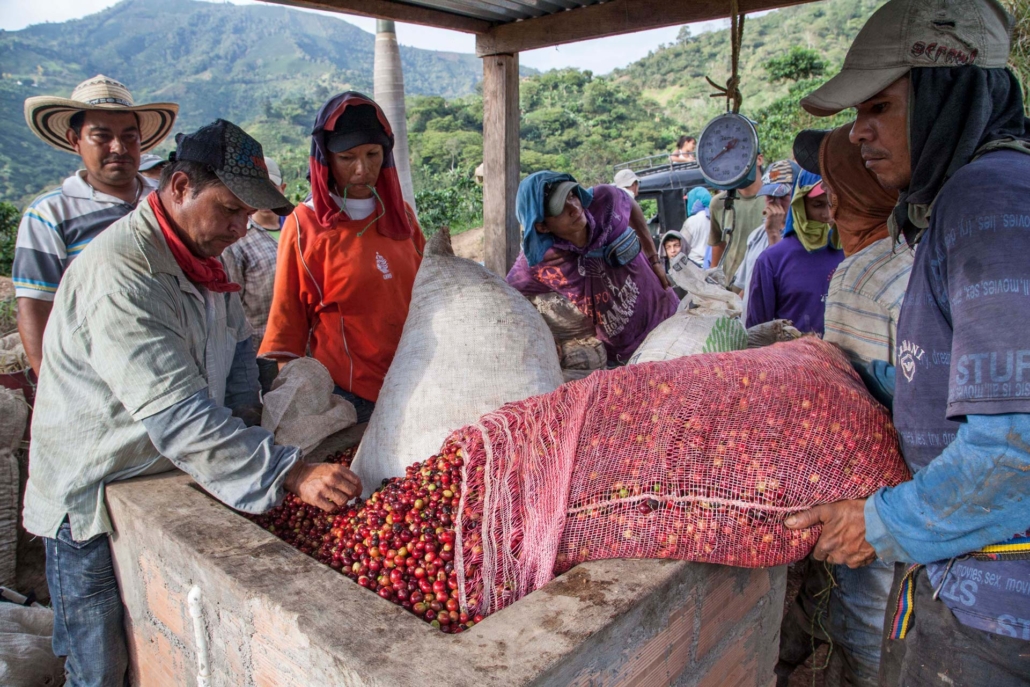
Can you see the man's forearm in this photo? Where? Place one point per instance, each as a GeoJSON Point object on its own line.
{"type": "Point", "coordinates": [241, 466]}
{"type": "Point", "coordinates": [32, 318]}
{"type": "Point", "coordinates": [717, 251]}
{"type": "Point", "coordinates": [970, 496]}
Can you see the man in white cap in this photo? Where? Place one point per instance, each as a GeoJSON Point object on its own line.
{"type": "Point", "coordinates": [940, 119]}
{"type": "Point", "coordinates": [101, 124]}
{"type": "Point", "coordinates": [250, 262]}
{"type": "Point", "coordinates": [628, 181]}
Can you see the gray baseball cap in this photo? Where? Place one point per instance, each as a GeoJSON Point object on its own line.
{"type": "Point", "coordinates": [914, 33]}
{"type": "Point", "coordinates": [554, 202]}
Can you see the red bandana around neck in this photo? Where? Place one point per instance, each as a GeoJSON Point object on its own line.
{"type": "Point", "coordinates": [207, 272]}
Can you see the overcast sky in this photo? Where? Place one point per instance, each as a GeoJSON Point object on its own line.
{"type": "Point", "coordinates": [601, 55]}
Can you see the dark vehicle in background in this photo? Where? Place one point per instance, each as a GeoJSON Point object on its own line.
{"type": "Point", "coordinates": [667, 183]}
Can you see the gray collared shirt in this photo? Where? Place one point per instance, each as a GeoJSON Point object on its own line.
{"type": "Point", "coordinates": [127, 341]}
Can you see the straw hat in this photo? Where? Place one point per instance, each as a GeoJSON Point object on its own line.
{"type": "Point", "coordinates": [50, 117]}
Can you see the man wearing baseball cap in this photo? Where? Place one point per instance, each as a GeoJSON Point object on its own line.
{"type": "Point", "coordinates": [147, 364]}
{"type": "Point", "coordinates": [940, 119]}
{"type": "Point", "coordinates": [628, 181]}
{"type": "Point", "coordinates": [101, 124]}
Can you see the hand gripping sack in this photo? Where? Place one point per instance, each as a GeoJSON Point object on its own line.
{"type": "Point", "coordinates": [471, 343]}
{"type": "Point", "coordinates": [698, 458]}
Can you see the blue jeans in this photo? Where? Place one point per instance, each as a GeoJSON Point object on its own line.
{"type": "Point", "coordinates": [363, 406]}
{"type": "Point", "coordinates": [88, 613]}
{"type": "Point", "coordinates": [848, 611]}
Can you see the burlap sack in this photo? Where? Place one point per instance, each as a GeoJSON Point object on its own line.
{"type": "Point", "coordinates": [26, 657]}
{"type": "Point", "coordinates": [301, 409]}
{"type": "Point", "coordinates": [690, 333]}
{"type": "Point", "coordinates": [471, 343]}
{"type": "Point", "coordinates": [704, 293]}
{"type": "Point", "coordinates": [9, 508]}
{"type": "Point", "coordinates": [563, 318]}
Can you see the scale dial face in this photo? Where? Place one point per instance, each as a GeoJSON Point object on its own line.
{"type": "Point", "coordinates": [727, 150]}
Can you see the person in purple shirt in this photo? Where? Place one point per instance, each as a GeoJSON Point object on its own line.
{"type": "Point", "coordinates": [592, 246]}
{"type": "Point", "coordinates": [791, 278]}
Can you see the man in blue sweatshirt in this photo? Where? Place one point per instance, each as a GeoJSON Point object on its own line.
{"type": "Point", "coordinates": [940, 119]}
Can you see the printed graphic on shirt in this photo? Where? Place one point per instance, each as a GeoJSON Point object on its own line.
{"type": "Point", "coordinates": [909, 355]}
{"type": "Point", "coordinates": [383, 266]}
{"type": "Point", "coordinates": [994, 374]}
{"type": "Point", "coordinates": [965, 333]}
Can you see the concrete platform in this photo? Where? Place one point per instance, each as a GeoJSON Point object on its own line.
{"type": "Point", "coordinates": [273, 616]}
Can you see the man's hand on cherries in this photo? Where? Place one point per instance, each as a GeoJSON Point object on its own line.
{"type": "Point", "coordinates": [842, 541]}
{"type": "Point", "coordinates": [324, 485]}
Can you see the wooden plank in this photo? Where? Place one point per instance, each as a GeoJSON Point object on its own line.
{"type": "Point", "coordinates": [501, 234]}
{"type": "Point", "coordinates": [608, 19]}
{"type": "Point", "coordinates": [398, 11]}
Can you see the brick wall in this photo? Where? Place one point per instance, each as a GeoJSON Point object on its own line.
{"type": "Point", "coordinates": [273, 616]}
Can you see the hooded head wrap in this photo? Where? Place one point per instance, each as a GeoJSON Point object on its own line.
{"type": "Point", "coordinates": [953, 112]}
{"type": "Point", "coordinates": [529, 207]}
{"type": "Point", "coordinates": [394, 221]}
{"type": "Point", "coordinates": [813, 235]}
{"type": "Point", "coordinates": [698, 194]}
{"type": "Point", "coordinates": [860, 205]}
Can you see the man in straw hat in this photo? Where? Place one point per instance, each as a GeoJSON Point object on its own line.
{"type": "Point", "coordinates": [940, 119]}
{"type": "Point", "coordinates": [147, 363]}
{"type": "Point", "coordinates": [101, 125]}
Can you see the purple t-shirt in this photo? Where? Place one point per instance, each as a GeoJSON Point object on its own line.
{"type": "Point", "coordinates": [964, 349]}
{"type": "Point", "coordinates": [626, 302]}
{"type": "Point", "coordinates": [789, 283]}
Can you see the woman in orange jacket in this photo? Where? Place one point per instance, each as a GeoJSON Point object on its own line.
{"type": "Point", "coordinates": [348, 256]}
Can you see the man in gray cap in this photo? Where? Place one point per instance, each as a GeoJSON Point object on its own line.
{"type": "Point", "coordinates": [148, 365]}
{"type": "Point", "coordinates": [940, 119]}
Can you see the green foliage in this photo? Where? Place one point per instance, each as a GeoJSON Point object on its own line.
{"type": "Point", "coordinates": [451, 199]}
{"type": "Point", "coordinates": [675, 74]}
{"type": "Point", "coordinates": [797, 65]}
{"type": "Point", "coordinates": [9, 218]}
{"type": "Point", "coordinates": [1019, 59]}
{"type": "Point", "coordinates": [781, 121]}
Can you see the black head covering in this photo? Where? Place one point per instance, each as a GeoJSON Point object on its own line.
{"type": "Point", "coordinates": [358, 125]}
{"type": "Point", "coordinates": [953, 112]}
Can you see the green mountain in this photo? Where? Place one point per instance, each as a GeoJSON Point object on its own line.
{"type": "Point", "coordinates": [248, 64]}
{"type": "Point", "coordinates": [674, 75]}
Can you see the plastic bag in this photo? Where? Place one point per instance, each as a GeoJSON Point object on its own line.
{"type": "Point", "coordinates": [301, 409]}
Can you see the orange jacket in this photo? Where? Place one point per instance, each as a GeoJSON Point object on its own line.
{"type": "Point", "coordinates": [343, 294]}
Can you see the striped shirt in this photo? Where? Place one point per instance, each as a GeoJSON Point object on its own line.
{"type": "Point", "coordinates": [250, 262]}
{"type": "Point", "coordinates": [56, 227]}
{"type": "Point", "coordinates": [864, 300]}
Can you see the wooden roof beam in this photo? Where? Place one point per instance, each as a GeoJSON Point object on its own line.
{"type": "Point", "coordinates": [398, 11]}
{"type": "Point", "coordinates": [608, 19]}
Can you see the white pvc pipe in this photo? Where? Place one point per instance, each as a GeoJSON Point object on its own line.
{"type": "Point", "coordinates": [197, 613]}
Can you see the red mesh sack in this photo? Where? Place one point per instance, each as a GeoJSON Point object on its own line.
{"type": "Point", "coordinates": [698, 458]}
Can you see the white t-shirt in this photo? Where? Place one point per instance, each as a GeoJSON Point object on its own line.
{"type": "Point", "coordinates": [696, 229]}
{"type": "Point", "coordinates": [356, 208]}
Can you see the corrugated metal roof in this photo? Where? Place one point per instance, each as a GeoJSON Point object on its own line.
{"type": "Point", "coordinates": [501, 11]}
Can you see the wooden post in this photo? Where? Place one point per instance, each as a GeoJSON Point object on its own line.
{"type": "Point", "coordinates": [502, 236]}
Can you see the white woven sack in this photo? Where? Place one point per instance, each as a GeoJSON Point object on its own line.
{"type": "Point", "coordinates": [471, 343]}
{"type": "Point", "coordinates": [687, 333]}
{"type": "Point", "coordinates": [26, 656]}
{"type": "Point", "coordinates": [563, 318]}
{"type": "Point", "coordinates": [702, 294]}
{"type": "Point", "coordinates": [301, 409]}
